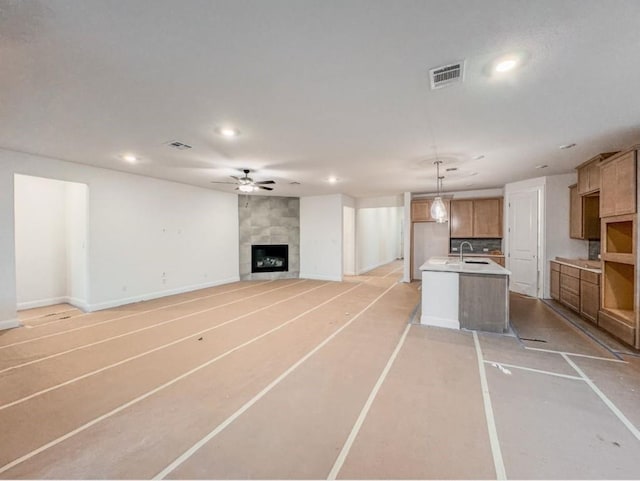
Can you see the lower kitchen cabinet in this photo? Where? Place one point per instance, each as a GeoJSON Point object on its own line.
{"type": "Point", "coordinates": [590, 295]}
{"type": "Point", "coordinates": [576, 288]}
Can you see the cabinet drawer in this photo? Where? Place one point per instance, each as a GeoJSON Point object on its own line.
{"type": "Point", "coordinates": [570, 271]}
{"type": "Point", "coordinates": [571, 284]}
{"type": "Point", "coordinates": [588, 276]}
{"type": "Point", "coordinates": [555, 266]}
{"type": "Point", "coordinates": [570, 299]}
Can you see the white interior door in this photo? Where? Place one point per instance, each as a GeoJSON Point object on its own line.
{"type": "Point", "coordinates": [523, 242]}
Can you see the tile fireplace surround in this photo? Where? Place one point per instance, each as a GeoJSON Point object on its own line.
{"type": "Point", "coordinates": [269, 220]}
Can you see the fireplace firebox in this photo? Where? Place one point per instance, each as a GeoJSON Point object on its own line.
{"type": "Point", "coordinates": [269, 258]}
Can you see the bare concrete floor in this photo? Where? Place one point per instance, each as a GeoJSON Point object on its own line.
{"type": "Point", "coordinates": [302, 379]}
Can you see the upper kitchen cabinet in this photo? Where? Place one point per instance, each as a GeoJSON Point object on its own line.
{"type": "Point", "coordinates": [584, 215]}
{"type": "Point", "coordinates": [421, 210]}
{"type": "Point", "coordinates": [476, 218]}
{"type": "Point", "coordinates": [487, 218]}
{"type": "Point", "coordinates": [589, 174]}
{"type": "Point", "coordinates": [618, 184]}
{"type": "Point", "coordinates": [461, 215]}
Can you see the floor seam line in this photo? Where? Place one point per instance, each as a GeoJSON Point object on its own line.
{"type": "Point", "coordinates": [587, 356]}
{"type": "Point", "coordinates": [246, 406]}
{"type": "Point", "coordinates": [150, 351]}
{"type": "Point", "coordinates": [603, 397]}
{"type": "Point", "coordinates": [531, 369]}
{"type": "Point", "coordinates": [157, 389]}
{"type": "Point", "coordinates": [346, 448]}
{"type": "Point", "coordinates": [494, 441]}
{"type": "Point", "coordinates": [130, 333]}
{"type": "Point", "coordinates": [100, 323]}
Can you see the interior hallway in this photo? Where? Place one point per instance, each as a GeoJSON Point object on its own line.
{"type": "Point", "coordinates": [310, 379]}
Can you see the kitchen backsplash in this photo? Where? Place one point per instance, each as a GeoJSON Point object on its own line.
{"type": "Point", "coordinates": [479, 245]}
{"type": "Point", "coordinates": [594, 250]}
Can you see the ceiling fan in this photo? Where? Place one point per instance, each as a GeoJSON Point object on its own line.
{"type": "Point", "coordinates": [246, 184]}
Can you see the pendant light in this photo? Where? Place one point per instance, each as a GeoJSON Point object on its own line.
{"type": "Point", "coordinates": [438, 209]}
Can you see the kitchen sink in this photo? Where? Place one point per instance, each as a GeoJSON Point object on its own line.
{"type": "Point", "coordinates": [475, 262]}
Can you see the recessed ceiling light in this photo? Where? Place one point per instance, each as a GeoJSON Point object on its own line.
{"type": "Point", "coordinates": [228, 132]}
{"type": "Point", "coordinates": [506, 64]}
{"type": "Point", "coordinates": [132, 159]}
{"type": "Point", "coordinates": [567, 146]}
{"type": "Point", "coordinates": [542, 166]}
{"type": "Point", "coordinates": [478, 157]}
{"type": "Point", "coordinates": [332, 179]}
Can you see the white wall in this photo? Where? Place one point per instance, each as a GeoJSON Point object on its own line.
{"type": "Point", "coordinates": [41, 241]}
{"type": "Point", "coordinates": [321, 237]}
{"type": "Point", "coordinates": [8, 316]}
{"type": "Point", "coordinates": [406, 240]}
{"type": "Point", "coordinates": [378, 237]}
{"type": "Point", "coordinates": [349, 240]}
{"type": "Point", "coordinates": [557, 240]}
{"type": "Point", "coordinates": [147, 237]}
{"type": "Point", "coordinates": [77, 210]}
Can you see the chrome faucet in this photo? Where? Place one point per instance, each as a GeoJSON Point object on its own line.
{"type": "Point", "coordinates": [461, 250]}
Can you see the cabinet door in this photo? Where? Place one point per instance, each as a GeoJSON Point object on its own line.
{"type": "Point", "coordinates": [487, 218]}
{"type": "Point", "coordinates": [461, 218]}
{"type": "Point", "coordinates": [589, 300]}
{"type": "Point", "coordinates": [594, 176]}
{"type": "Point", "coordinates": [608, 190]}
{"type": "Point", "coordinates": [583, 180]}
{"type": "Point", "coordinates": [555, 285]}
{"type": "Point", "coordinates": [575, 214]}
{"type": "Point", "coordinates": [626, 184]}
{"type": "Point", "coordinates": [420, 210]}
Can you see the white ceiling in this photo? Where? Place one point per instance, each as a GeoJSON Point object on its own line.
{"type": "Point", "coordinates": [320, 88]}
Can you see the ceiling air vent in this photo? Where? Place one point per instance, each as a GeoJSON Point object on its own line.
{"type": "Point", "coordinates": [178, 145]}
{"type": "Point", "coordinates": [446, 75]}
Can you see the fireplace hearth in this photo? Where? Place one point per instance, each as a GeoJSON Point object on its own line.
{"type": "Point", "coordinates": [269, 258]}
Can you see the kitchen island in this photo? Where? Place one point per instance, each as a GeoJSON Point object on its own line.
{"type": "Point", "coordinates": [472, 294]}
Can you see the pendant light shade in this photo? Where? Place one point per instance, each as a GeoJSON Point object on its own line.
{"type": "Point", "coordinates": [438, 209]}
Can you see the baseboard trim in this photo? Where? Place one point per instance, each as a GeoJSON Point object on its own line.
{"type": "Point", "coordinates": [439, 322]}
{"type": "Point", "coordinates": [320, 277]}
{"type": "Point", "coordinates": [372, 267]}
{"type": "Point", "coordinates": [42, 303]}
{"type": "Point", "coordinates": [156, 295]}
{"type": "Point", "coordinates": [10, 324]}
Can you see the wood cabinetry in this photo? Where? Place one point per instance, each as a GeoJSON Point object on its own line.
{"type": "Point", "coordinates": [589, 295]}
{"type": "Point", "coordinates": [476, 218]}
{"type": "Point", "coordinates": [421, 210]}
{"type": "Point", "coordinates": [589, 174]}
{"type": "Point", "coordinates": [584, 215]}
{"type": "Point", "coordinates": [461, 218]}
{"type": "Point", "coordinates": [576, 288]}
{"type": "Point", "coordinates": [618, 185]}
{"type": "Point", "coordinates": [555, 281]}
{"type": "Point", "coordinates": [487, 218]}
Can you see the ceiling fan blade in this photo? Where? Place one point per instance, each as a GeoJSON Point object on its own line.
{"type": "Point", "coordinates": [217, 182]}
{"type": "Point", "coordinates": [263, 182]}
{"type": "Point", "coordinates": [264, 188]}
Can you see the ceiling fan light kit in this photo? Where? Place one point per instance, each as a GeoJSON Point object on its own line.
{"type": "Point", "coordinates": [246, 184]}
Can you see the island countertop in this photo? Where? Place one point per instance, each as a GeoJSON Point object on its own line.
{"type": "Point", "coordinates": [448, 264]}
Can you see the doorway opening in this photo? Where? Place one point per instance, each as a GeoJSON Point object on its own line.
{"type": "Point", "coordinates": [51, 231]}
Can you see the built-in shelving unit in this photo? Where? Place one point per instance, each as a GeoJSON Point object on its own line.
{"type": "Point", "coordinates": [618, 311]}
